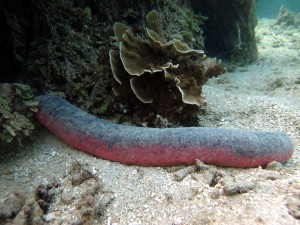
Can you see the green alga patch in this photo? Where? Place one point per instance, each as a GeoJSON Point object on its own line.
{"type": "Point", "coordinates": [17, 107]}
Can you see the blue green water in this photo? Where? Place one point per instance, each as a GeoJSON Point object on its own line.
{"type": "Point", "coordinates": [270, 8]}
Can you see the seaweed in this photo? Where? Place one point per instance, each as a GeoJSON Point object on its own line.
{"type": "Point", "coordinates": [17, 107]}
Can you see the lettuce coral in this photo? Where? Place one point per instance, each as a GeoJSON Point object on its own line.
{"type": "Point", "coordinates": [166, 75]}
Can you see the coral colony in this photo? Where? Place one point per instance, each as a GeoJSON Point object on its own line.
{"type": "Point", "coordinates": [168, 76]}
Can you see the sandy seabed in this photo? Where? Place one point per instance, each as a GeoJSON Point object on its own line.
{"type": "Point", "coordinates": [263, 96]}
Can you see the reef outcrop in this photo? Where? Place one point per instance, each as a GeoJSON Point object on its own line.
{"type": "Point", "coordinates": [287, 18]}
{"type": "Point", "coordinates": [229, 29]}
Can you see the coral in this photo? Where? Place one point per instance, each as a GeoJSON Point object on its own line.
{"type": "Point", "coordinates": [90, 200]}
{"type": "Point", "coordinates": [11, 206]}
{"type": "Point", "coordinates": [287, 18]}
{"type": "Point", "coordinates": [79, 173]}
{"type": "Point", "coordinates": [293, 205]}
{"type": "Point", "coordinates": [61, 46]}
{"type": "Point", "coordinates": [44, 195]}
{"type": "Point", "coordinates": [168, 76]}
{"type": "Point", "coordinates": [17, 106]}
{"type": "Point", "coordinates": [25, 208]}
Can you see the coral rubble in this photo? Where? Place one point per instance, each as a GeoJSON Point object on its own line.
{"type": "Point", "coordinates": [17, 106]}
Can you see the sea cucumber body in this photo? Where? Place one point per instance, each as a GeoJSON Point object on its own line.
{"type": "Point", "coordinates": [161, 147]}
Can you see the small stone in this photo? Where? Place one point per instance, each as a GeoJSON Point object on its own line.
{"type": "Point", "coordinates": [201, 165]}
{"type": "Point", "coordinates": [77, 223]}
{"type": "Point", "coordinates": [180, 174]}
{"type": "Point", "coordinates": [293, 205]}
{"type": "Point", "coordinates": [274, 177]}
{"type": "Point", "coordinates": [215, 194]}
{"type": "Point", "coordinates": [49, 217]}
{"type": "Point", "coordinates": [54, 153]}
{"type": "Point", "coordinates": [260, 220]}
{"type": "Point", "coordinates": [107, 199]}
{"type": "Point", "coordinates": [11, 206]}
{"type": "Point", "coordinates": [66, 198]}
{"type": "Point", "coordinates": [195, 191]}
{"type": "Point", "coordinates": [58, 221]}
{"type": "Point", "coordinates": [169, 198]}
{"type": "Point", "coordinates": [79, 173]}
{"type": "Point", "coordinates": [274, 165]}
{"type": "Point", "coordinates": [6, 172]}
{"type": "Point", "coordinates": [238, 188]}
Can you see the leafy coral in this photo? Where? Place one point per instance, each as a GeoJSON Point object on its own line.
{"type": "Point", "coordinates": [167, 77]}
{"type": "Point", "coordinates": [17, 106]}
{"type": "Point", "coordinates": [62, 45]}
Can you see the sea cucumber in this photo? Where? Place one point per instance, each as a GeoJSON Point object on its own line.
{"type": "Point", "coordinates": [161, 146]}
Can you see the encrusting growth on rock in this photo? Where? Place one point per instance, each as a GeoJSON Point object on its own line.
{"type": "Point", "coordinates": [166, 75]}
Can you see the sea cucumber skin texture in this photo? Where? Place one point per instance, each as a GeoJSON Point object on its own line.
{"type": "Point", "coordinates": [161, 147]}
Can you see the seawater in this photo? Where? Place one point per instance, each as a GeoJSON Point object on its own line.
{"type": "Point", "coordinates": [270, 8]}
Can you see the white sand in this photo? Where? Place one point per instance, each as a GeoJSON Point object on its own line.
{"type": "Point", "coordinates": [247, 98]}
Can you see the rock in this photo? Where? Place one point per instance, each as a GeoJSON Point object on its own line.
{"type": "Point", "coordinates": [66, 198]}
{"type": "Point", "coordinates": [293, 205]}
{"type": "Point", "coordinates": [238, 188]}
{"type": "Point", "coordinates": [49, 217]}
{"type": "Point", "coordinates": [79, 173]}
{"type": "Point", "coordinates": [274, 165]}
{"type": "Point", "coordinates": [11, 206]}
